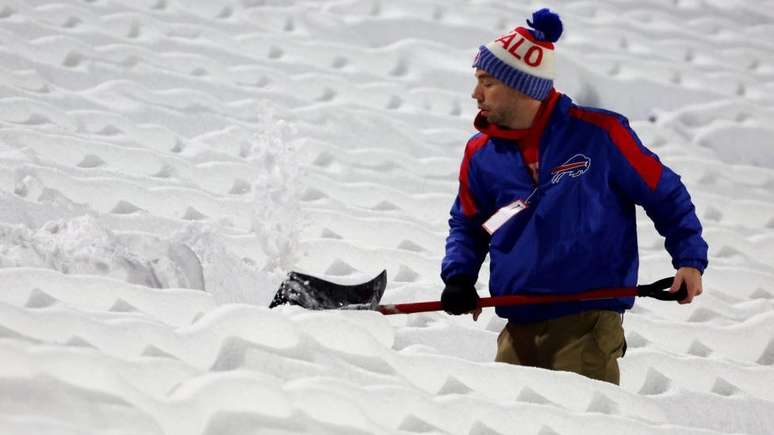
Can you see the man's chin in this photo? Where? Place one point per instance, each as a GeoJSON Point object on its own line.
{"type": "Point", "coordinates": [491, 118]}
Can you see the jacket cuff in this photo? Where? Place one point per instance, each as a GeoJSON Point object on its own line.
{"type": "Point", "coordinates": [700, 265]}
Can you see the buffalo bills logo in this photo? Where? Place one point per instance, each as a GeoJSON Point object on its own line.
{"type": "Point", "coordinates": [576, 166]}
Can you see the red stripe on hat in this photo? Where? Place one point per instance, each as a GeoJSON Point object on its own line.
{"type": "Point", "coordinates": [466, 198]}
{"type": "Point", "coordinates": [523, 31]}
{"type": "Point", "coordinates": [647, 166]}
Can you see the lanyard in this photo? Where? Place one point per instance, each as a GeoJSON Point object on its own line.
{"type": "Point", "coordinates": [526, 201]}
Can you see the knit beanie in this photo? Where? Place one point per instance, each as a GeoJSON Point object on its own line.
{"type": "Point", "coordinates": [524, 58]}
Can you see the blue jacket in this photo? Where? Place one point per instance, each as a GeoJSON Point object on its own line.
{"type": "Point", "coordinates": [578, 231]}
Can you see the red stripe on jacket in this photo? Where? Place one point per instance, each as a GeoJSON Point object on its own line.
{"type": "Point", "coordinates": [647, 166]}
{"type": "Point", "coordinates": [466, 198]}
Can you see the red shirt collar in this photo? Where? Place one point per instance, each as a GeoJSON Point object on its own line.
{"type": "Point", "coordinates": [533, 132]}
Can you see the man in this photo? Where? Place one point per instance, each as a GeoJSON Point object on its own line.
{"type": "Point", "coordinates": [549, 190]}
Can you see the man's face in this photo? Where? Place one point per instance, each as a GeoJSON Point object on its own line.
{"type": "Point", "coordinates": [499, 103]}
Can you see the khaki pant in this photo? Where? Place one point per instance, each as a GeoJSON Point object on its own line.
{"type": "Point", "coordinates": [588, 343]}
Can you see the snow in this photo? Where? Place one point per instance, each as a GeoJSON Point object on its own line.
{"type": "Point", "coordinates": [164, 163]}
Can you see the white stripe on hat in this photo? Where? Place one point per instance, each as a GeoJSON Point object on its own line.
{"type": "Point", "coordinates": [524, 55]}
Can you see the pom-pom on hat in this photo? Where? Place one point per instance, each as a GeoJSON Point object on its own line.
{"type": "Point", "coordinates": [524, 58]}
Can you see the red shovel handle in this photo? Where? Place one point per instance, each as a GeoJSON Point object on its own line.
{"type": "Point", "coordinates": [651, 290]}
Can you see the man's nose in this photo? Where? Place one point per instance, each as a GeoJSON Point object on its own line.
{"type": "Point", "coordinates": [476, 94]}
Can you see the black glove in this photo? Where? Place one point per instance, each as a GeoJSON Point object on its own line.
{"type": "Point", "coordinates": [459, 296]}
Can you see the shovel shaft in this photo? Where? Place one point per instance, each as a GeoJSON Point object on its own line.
{"type": "Point", "coordinates": [498, 301]}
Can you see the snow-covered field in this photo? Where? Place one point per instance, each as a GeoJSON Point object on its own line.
{"type": "Point", "coordinates": [163, 164]}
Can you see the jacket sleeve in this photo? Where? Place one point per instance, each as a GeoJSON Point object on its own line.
{"type": "Point", "coordinates": [641, 176]}
{"type": "Point", "coordinates": [467, 243]}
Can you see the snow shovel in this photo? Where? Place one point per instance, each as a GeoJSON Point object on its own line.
{"type": "Point", "coordinates": [318, 294]}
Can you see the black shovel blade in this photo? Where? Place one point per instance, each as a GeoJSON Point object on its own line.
{"type": "Point", "coordinates": [318, 294]}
